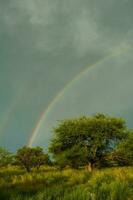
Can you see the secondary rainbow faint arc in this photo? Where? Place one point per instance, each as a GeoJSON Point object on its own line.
{"type": "Point", "coordinates": [13, 106]}
{"type": "Point", "coordinates": [62, 92]}
{"type": "Point", "coordinates": [11, 109]}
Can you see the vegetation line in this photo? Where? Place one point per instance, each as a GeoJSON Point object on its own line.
{"type": "Point", "coordinates": [92, 159]}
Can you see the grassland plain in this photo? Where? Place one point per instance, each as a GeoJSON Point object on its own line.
{"type": "Point", "coordinates": [50, 183]}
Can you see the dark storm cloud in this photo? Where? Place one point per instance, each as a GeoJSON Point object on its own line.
{"type": "Point", "coordinates": [44, 44]}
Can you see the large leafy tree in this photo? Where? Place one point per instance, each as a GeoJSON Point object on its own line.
{"type": "Point", "coordinates": [31, 157]}
{"type": "Point", "coordinates": [86, 140]}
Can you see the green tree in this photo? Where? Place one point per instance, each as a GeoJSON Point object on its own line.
{"type": "Point", "coordinates": [40, 158]}
{"type": "Point", "coordinates": [31, 157]}
{"type": "Point", "coordinates": [86, 140]}
{"type": "Point", "coordinates": [123, 154]}
{"type": "Point", "coordinates": [5, 157]}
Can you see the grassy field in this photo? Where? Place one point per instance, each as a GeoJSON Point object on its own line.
{"type": "Point", "coordinates": [69, 184]}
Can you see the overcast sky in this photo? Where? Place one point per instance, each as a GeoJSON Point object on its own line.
{"type": "Point", "coordinates": [44, 45]}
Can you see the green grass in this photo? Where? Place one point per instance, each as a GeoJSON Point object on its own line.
{"type": "Point", "coordinates": [69, 184]}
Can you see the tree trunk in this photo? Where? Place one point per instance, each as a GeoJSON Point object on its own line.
{"type": "Point", "coordinates": [38, 167]}
{"type": "Point", "coordinates": [28, 169]}
{"type": "Point", "coordinates": [89, 167]}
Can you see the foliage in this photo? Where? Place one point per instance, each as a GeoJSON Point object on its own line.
{"type": "Point", "coordinates": [97, 140]}
{"type": "Point", "coordinates": [86, 140]}
{"type": "Point", "coordinates": [5, 157]}
{"type": "Point", "coordinates": [123, 154]}
{"type": "Point", "coordinates": [31, 157]}
{"type": "Point", "coordinates": [68, 184]}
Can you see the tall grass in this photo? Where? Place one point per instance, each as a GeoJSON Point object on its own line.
{"type": "Point", "coordinates": [69, 184]}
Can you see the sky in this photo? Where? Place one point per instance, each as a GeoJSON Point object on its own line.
{"type": "Point", "coordinates": [62, 59]}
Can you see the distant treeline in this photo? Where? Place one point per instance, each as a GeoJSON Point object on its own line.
{"type": "Point", "coordinates": [91, 142]}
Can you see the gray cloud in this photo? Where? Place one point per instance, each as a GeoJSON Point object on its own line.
{"type": "Point", "coordinates": [44, 44]}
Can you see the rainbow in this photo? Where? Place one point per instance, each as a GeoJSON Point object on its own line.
{"type": "Point", "coordinates": [9, 112]}
{"type": "Point", "coordinates": [68, 85]}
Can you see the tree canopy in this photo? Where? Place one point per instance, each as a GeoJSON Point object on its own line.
{"type": "Point", "coordinates": [123, 154]}
{"type": "Point", "coordinates": [5, 157]}
{"type": "Point", "coordinates": [86, 140]}
{"type": "Point", "coordinates": [31, 157]}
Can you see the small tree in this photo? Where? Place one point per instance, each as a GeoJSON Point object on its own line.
{"type": "Point", "coordinates": [5, 157]}
{"type": "Point", "coordinates": [87, 140]}
{"type": "Point", "coordinates": [40, 158]}
{"type": "Point", "coordinates": [31, 157]}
